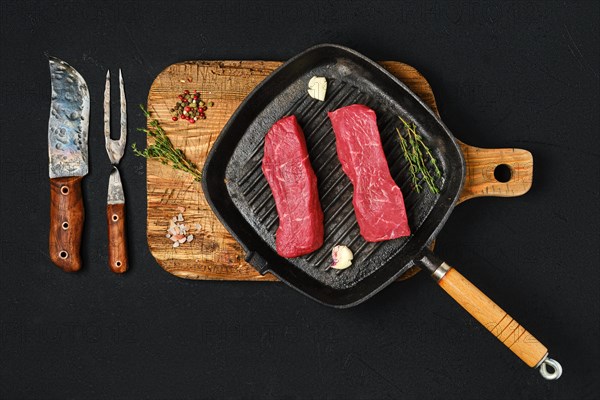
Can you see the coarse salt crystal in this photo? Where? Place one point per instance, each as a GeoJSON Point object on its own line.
{"type": "Point", "coordinates": [178, 231]}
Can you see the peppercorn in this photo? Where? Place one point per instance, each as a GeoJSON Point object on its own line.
{"type": "Point", "coordinates": [189, 107]}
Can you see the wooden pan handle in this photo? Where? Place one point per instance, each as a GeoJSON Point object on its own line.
{"type": "Point", "coordinates": [481, 164]}
{"type": "Point", "coordinates": [496, 320]}
{"type": "Point", "coordinates": [117, 239]}
{"type": "Point", "coordinates": [66, 222]}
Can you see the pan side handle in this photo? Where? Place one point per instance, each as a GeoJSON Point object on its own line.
{"type": "Point", "coordinates": [504, 327]}
{"type": "Point", "coordinates": [514, 167]}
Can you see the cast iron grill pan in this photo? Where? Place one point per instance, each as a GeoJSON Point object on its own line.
{"type": "Point", "coordinates": [239, 195]}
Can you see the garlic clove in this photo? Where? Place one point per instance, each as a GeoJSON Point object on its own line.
{"type": "Point", "coordinates": [342, 257]}
{"type": "Point", "coordinates": [317, 86]}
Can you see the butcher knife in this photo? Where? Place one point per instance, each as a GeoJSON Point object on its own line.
{"type": "Point", "coordinates": [68, 162]}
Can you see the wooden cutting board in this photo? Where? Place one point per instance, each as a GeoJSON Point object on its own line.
{"type": "Point", "coordinates": [214, 254]}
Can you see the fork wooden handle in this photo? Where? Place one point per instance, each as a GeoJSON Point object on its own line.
{"type": "Point", "coordinates": [117, 238]}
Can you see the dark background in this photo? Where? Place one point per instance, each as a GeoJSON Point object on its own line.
{"type": "Point", "coordinates": [511, 74]}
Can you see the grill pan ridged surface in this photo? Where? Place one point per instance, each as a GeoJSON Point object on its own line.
{"type": "Point", "coordinates": [239, 194]}
{"type": "Point", "coordinates": [252, 195]}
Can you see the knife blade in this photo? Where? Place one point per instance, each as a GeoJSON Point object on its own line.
{"type": "Point", "coordinates": [68, 162]}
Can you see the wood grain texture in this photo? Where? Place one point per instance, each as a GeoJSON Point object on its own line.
{"type": "Point", "coordinates": [214, 254]}
{"type": "Point", "coordinates": [67, 215]}
{"type": "Point", "coordinates": [493, 318]}
{"type": "Point", "coordinates": [118, 261]}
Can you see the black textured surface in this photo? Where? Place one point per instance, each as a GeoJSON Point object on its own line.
{"type": "Point", "coordinates": [521, 74]}
{"type": "Point", "coordinates": [237, 191]}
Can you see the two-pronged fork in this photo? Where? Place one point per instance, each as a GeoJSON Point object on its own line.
{"type": "Point", "coordinates": [115, 209]}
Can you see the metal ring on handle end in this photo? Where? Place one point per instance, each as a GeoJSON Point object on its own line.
{"type": "Point", "coordinates": [555, 365]}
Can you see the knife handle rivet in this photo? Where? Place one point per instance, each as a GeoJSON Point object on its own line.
{"type": "Point", "coordinates": [65, 225]}
{"type": "Point", "coordinates": [63, 254]}
{"type": "Point", "coordinates": [118, 264]}
{"type": "Point", "coordinates": [64, 190]}
{"type": "Point", "coordinates": [115, 217]}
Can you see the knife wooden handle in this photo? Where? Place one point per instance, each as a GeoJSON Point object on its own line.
{"type": "Point", "coordinates": [66, 222]}
{"type": "Point", "coordinates": [117, 239]}
{"type": "Point", "coordinates": [493, 318]}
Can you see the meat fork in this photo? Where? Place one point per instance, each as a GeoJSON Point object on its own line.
{"type": "Point", "coordinates": [115, 208]}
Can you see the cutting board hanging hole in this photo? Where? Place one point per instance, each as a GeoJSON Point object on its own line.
{"type": "Point", "coordinates": [503, 173]}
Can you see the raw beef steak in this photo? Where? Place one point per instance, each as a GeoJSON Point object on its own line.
{"type": "Point", "coordinates": [294, 185]}
{"type": "Point", "coordinates": [378, 202]}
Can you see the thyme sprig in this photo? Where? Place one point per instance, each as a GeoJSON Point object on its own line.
{"type": "Point", "coordinates": [412, 167]}
{"type": "Point", "coordinates": [163, 150]}
{"type": "Point", "coordinates": [419, 158]}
